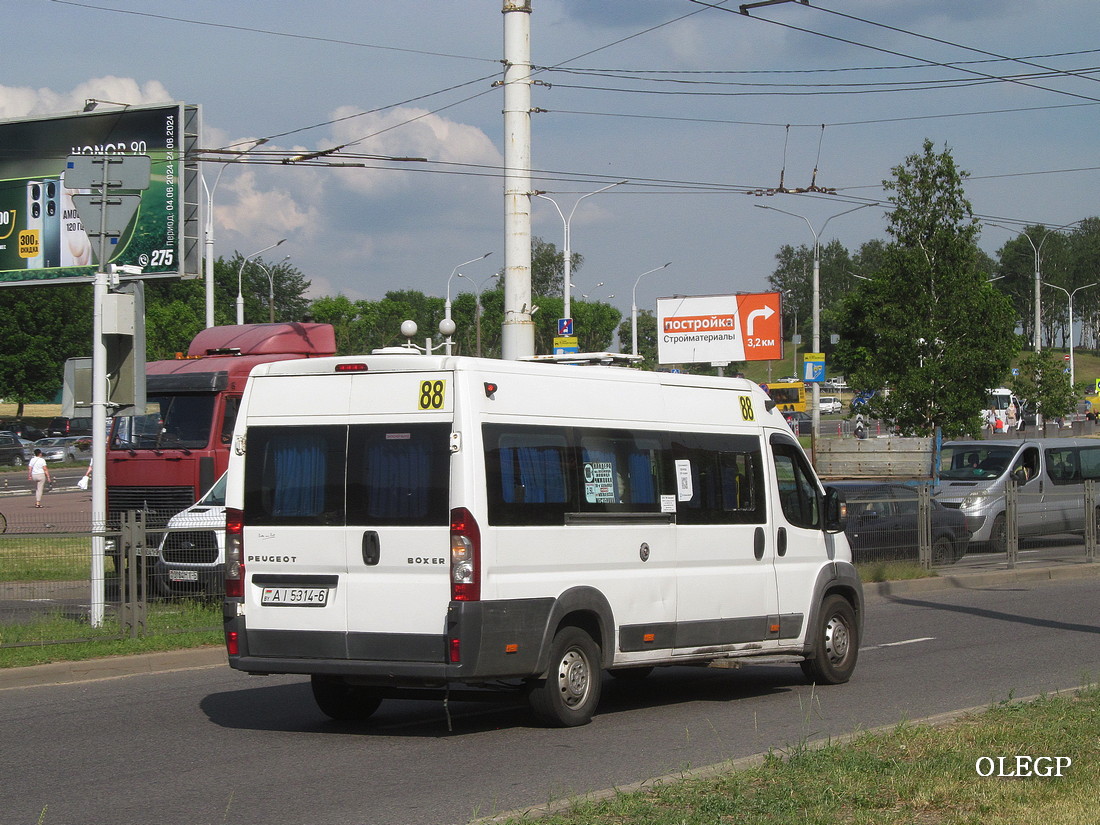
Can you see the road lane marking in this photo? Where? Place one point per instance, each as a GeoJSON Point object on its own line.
{"type": "Point", "coordinates": [899, 644]}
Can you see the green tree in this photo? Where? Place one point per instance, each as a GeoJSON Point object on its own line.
{"type": "Point", "coordinates": [928, 325]}
{"type": "Point", "coordinates": [548, 268]}
{"type": "Point", "coordinates": [43, 326]}
{"type": "Point", "coordinates": [1043, 383]}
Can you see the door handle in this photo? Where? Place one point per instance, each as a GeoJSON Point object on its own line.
{"type": "Point", "coordinates": [758, 543]}
{"type": "Point", "coordinates": [781, 541]}
{"type": "Point", "coordinates": [372, 550]}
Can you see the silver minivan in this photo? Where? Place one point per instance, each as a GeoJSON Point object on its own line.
{"type": "Point", "coordinates": [191, 557]}
{"type": "Point", "coordinates": [1050, 473]}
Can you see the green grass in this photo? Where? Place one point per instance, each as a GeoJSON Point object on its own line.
{"type": "Point", "coordinates": [909, 774]}
{"type": "Point", "coordinates": [45, 558]}
{"type": "Point", "coordinates": [169, 626]}
{"type": "Point", "coordinates": [884, 571]}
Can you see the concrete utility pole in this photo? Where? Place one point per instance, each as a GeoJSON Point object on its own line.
{"type": "Point", "coordinates": [518, 331]}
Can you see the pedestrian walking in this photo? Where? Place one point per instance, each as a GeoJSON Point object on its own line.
{"type": "Point", "coordinates": [39, 473]}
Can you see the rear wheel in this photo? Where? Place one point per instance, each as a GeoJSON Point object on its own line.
{"type": "Point", "coordinates": [835, 643]}
{"type": "Point", "coordinates": [569, 695]}
{"type": "Point", "coordinates": [341, 701]}
{"type": "Point", "coordinates": [943, 551]}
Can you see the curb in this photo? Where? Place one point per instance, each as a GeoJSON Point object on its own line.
{"type": "Point", "coordinates": [877, 591]}
{"type": "Point", "coordinates": [113, 667]}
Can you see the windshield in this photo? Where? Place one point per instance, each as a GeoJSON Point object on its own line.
{"type": "Point", "coordinates": [970, 461]}
{"type": "Point", "coordinates": [215, 496]}
{"type": "Point", "coordinates": [183, 422]}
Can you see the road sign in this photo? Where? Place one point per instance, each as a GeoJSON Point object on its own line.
{"type": "Point", "coordinates": [813, 367]}
{"type": "Point", "coordinates": [122, 171]}
{"type": "Point", "coordinates": [565, 327]}
{"type": "Point", "coordinates": [565, 344]}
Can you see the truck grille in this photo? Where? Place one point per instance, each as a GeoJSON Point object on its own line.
{"type": "Point", "coordinates": [159, 503]}
{"type": "Point", "coordinates": [190, 547]}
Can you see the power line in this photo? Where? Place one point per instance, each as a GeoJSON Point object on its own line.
{"type": "Point", "coordinates": [272, 32]}
{"type": "Point", "coordinates": [930, 62]}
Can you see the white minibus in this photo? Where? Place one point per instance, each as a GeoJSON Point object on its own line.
{"type": "Point", "coordinates": [409, 525]}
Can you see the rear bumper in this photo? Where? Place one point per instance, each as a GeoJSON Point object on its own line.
{"type": "Point", "coordinates": [487, 640]}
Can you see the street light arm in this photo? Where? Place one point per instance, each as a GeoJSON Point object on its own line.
{"type": "Point", "coordinates": [240, 276]}
{"type": "Point", "coordinates": [634, 307]}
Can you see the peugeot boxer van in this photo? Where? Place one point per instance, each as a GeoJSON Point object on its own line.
{"type": "Point", "coordinates": [1050, 474]}
{"type": "Point", "coordinates": [410, 525]}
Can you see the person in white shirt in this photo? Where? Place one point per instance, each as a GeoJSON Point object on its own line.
{"type": "Point", "coordinates": [39, 473]}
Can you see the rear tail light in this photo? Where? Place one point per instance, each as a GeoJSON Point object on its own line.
{"type": "Point", "coordinates": [465, 557]}
{"type": "Point", "coordinates": [234, 554]}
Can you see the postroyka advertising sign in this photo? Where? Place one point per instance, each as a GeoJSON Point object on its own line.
{"type": "Point", "coordinates": [42, 237]}
{"type": "Point", "coordinates": [719, 328]}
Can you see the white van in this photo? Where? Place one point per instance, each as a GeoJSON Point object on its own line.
{"type": "Point", "coordinates": [191, 556]}
{"type": "Point", "coordinates": [1050, 474]}
{"type": "Point", "coordinates": [401, 524]}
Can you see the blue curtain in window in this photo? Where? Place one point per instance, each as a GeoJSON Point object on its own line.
{"type": "Point", "coordinates": [398, 479]}
{"type": "Point", "coordinates": [540, 477]}
{"type": "Point", "coordinates": [642, 490]}
{"type": "Point", "coordinates": [299, 476]}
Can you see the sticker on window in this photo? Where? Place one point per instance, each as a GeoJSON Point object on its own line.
{"type": "Point", "coordinates": [684, 490]}
{"type": "Point", "coordinates": [599, 482]}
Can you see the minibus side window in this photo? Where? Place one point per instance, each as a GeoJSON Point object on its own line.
{"type": "Point", "coordinates": [1089, 458]}
{"type": "Point", "coordinates": [398, 474]}
{"type": "Point", "coordinates": [727, 479]}
{"type": "Point", "coordinates": [527, 474]}
{"type": "Point", "coordinates": [1062, 465]}
{"type": "Point", "coordinates": [295, 475]}
{"type": "Point", "coordinates": [798, 494]}
{"type": "Point", "coordinates": [620, 472]}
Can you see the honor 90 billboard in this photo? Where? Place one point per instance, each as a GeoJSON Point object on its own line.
{"type": "Point", "coordinates": [42, 234]}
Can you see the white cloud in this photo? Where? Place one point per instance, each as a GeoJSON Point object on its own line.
{"type": "Point", "coordinates": [16, 102]}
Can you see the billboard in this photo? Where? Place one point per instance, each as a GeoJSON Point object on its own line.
{"type": "Point", "coordinates": [42, 239]}
{"type": "Point", "coordinates": [719, 328]}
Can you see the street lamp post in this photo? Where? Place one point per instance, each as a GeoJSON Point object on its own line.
{"type": "Point", "coordinates": [240, 275]}
{"type": "Point", "coordinates": [208, 232]}
{"type": "Point", "coordinates": [1070, 295]}
{"type": "Point", "coordinates": [271, 288]}
{"type": "Point", "coordinates": [634, 308]}
{"type": "Point", "coordinates": [1038, 278]}
{"type": "Point", "coordinates": [816, 304]}
{"type": "Point", "coordinates": [478, 286]}
{"type": "Point", "coordinates": [447, 303]}
{"type": "Point", "coordinates": [568, 263]}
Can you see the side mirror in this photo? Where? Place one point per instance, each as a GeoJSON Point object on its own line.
{"type": "Point", "coordinates": [835, 511]}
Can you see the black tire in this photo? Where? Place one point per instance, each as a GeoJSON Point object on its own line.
{"type": "Point", "coordinates": [343, 702]}
{"type": "Point", "coordinates": [569, 695]}
{"type": "Point", "coordinates": [835, 643]}
{"type": "Point", "coordinates": [631, 674]}
{"type": "Point", "coordinates": [943, 551]}
{"type": "Point", "coordinates": [998, 535]}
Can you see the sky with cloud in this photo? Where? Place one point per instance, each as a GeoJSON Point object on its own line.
{"type": "Point", "coordinates": [701, 109]}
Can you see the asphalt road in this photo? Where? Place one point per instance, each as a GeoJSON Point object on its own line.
{"type": "Point", "coordinates": [212, 745]}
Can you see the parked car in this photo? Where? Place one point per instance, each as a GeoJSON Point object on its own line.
{"type": "Point", "coordinates": [23, 430]}
{"type": "Point", "coordinates": [882, 523]}
{"type": "Point", "coordinates": [800, 423]}
{"type": "Point", "coordinates": [11, 450]}
{"type": "Point", "coordinates": [830, 404]}
{"type": "Point", "coordinates": [62, 426]}
{"type": "Point", "coordinates": [191, 557]}
{"type": "Point", "coordinates": [70, 448]}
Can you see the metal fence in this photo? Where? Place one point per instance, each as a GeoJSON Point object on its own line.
{"type": "Point", "coordinates": [48, 593]}
{"type": "Point", "coordinates": [168, 580]}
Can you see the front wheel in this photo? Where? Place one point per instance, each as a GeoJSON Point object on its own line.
{"type": "Point", "coordinates": [835, 644]}
{"type": "Point", "coordinates": [569, 695]}
{"type": "Point", "coordinates": [343, 702]}
{"type": "Point", "coordinates": [998, 535]}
